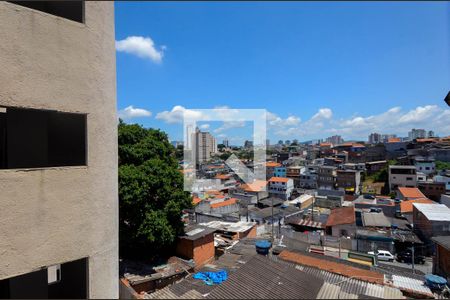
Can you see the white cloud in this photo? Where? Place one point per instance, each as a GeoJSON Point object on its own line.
{"type": "Point", "coordinates": [204, 126]}
{"type": "Point", "coordinates": [177, 113]}
{"type": "Point", "coordinates": [275, 120]}
{"type": "Point", "coordinates": [419, 114]}
{"type": "Point", "coordinates": [323, 113]}
{"type": "Point", "coordinates": [143, 47]}
{"type": "Point", "coordinates": [229, 125]}
{"type": "Point", "coordinates": [130, 112]}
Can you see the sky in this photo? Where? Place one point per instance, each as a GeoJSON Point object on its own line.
{"type": "Point", "coordinates": [319, 69]}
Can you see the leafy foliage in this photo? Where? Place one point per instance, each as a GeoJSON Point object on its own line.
{"type": "Point", "coordinates": [151, 196]}
{"type": "Point", "coordinates": [442, 165]}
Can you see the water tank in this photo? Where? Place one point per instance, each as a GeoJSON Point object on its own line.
{"type": "Point", "coordinates": [262, 247]}
{"type": "Point", "coordinates": [435, 282]}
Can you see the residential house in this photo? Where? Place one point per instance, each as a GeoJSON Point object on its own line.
{"type": "Point", "coordinates": [402, 176]}
{"type": "Point", "coordinates": [425, 165]}
{"type": "Point", "coordinates": [432, 190]}
{"type": "Point", "coordinates": [294, 173]}
{"type": "Point", "coordinates": [342, 222]}
{"type": "Point", "coordinates": [431, 220]}
{"type": "Point", "coordinates": [270, 168]}
{"type": "Point", "coordinates": [409, 193]}
{"type": "Point", "coordinates": [406, 207]}
{"type": "Point", "coordinates": [281, 187]}
{"type": "Point", "coordinates": [308, 179]}
{"type": "Point", "coordinates": [375, 166]}
{"type": "Point", "coordinates": [445, 178]}
{"type": "Point", "coordinates": [441, 260]}
{"type": "Point", "coordinates": [386, 204]}
{"type": "Point", "coordinates": [257, 188]}
{"type": "Point", "coordinates": [326, 177]}
{"type": "Point", "coordinates": [349, 181]}
{"type": "Point", "coordinates": [279, 172]}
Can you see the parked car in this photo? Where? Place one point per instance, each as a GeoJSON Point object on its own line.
{"type": "Point", "coordinates": [376, 209]}
{"type": "Point", "coordinates": [383, 255]}
{"type": "Point", "coordinates": [406, 257]}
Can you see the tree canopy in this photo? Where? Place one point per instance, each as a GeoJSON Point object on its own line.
{"type": "Point", "coordinates": [151, 196]}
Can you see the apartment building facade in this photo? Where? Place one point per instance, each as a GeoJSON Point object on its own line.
{"type": "Point", "coordinates": [58, 150]}
{"type": "Point", "coordinates": [402, 176]}
{"type": "Point", "coordinates": [204, 146]}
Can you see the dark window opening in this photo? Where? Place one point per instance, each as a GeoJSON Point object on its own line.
{"type": "Point", "coordinates": [72, 10]}
{"type": "Point", "coordinates": [31, 138]}
{"type": "Point", "coordinates": [72, 283]}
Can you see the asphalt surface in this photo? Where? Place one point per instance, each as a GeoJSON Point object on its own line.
{"type": "Point", "coordinates": [425, 268]}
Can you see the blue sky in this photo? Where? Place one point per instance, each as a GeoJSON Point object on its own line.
{"type": "Point", "coordinates": [318, 68]}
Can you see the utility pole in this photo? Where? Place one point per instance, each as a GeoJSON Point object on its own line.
{"type": "Point", "coordinates": [272, 220]}
{"type": "Point", "coordinates": [412, 251]}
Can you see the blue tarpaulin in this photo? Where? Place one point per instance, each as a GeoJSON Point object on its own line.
{"type": "Point", "coordinates": [211, 278]}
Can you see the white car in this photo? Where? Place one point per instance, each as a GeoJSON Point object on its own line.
{"type": "Point", "coordinates": [383, 255]}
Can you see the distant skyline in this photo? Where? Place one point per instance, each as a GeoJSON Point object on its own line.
{"type": "Point", "coordinates": [320, 69]}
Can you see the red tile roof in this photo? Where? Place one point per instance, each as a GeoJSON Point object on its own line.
{"type": "Point", "coordinates": [411, 193]}
{"type": "Point", "coordinates": [407, 205]}
{"type": "Point", "coordinates": [224, 203]}
{"type": "Point", "coordinates": [278, 179]}
{"type": "Point", "coordinates": [272, 164]}
{"type": "Point", "coordinates": [255, 186]}
{"type": "Point", "coordinates": [196, 200]}
{"type": "Point", "coordinates": [222, 176]}
{"type": "Point", "coordinates": [334, 267]}
{"type": "Point", "coordinates": [340, 216]}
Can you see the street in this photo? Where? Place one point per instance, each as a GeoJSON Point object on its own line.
{"type": "Point", "coordinates": [425, 268]}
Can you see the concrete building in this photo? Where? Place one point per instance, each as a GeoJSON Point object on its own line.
{"type": "Point", "coordinates": [425, 165]}
{"type": "Point", "coordinates": [204, 144]}
{"type": "Point", "coordinates": [335, 140]}
{"type": "Point", "coordinates": [280, 172]}
{"type": "Point", "coordinates": [281, 187]}
{"type": "Point", "coordinates": [308, 179]}
{"type": "Point", "coordinates": [417, 134]}
{"type": "Point", "coordinates": [432, 190]}
{"type": "Point", "coordinates": [402, 176]}
{"type": "Point", "coordinates": [431, 220]}
{"type": "Point", "coordinates": [58, 167]}
{"type": "Point", "coordinates": [349, 181]}
{"type": "Point", "coordinates": [375, 138]}
{"type": "Point", "coordinates": [441, 261]}
{"type": "Point", "coordinates": [342, 222]}
{"type": "Point", "coordinates": [326, 177]}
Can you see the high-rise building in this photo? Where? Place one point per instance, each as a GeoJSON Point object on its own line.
{"type": "Point", "coordinates": [204, 144]}
{"type": "Point", "coordinates": [248, 144]}
{"type": "Point", "coordinates": [375, 138]}
{"type": "Point", "coordinates": [225, 143]}
{"type": "Point", "coordinates": [58, 138]}
{"type": "Point", "coordinates": [335, 140]}
{"type": "Point", "coordinates": [385, 137]}
{"type": "Point", "coordinates": [416, 134]}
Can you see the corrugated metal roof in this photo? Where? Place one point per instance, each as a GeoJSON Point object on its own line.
{"type": "Point", "coordinates": [262, 278]}
{"type": "Point", "coordinates": [434, 212]}
{"type": "Point", "coordinates": [411, 284]}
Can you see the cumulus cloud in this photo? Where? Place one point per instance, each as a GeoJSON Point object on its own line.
{"type": "Point", "coordinates": [143, 47]}
{"type": "Point", "coordinates": [131, 112]}
{"type": "Point", "coordinates": [204, 126]}
{"type": "Point", "coordinates": [275, 120]}
{"type": "Point", "coordinates": [177, 113]}
{"type": "Point", "coordinates": [323, 113]}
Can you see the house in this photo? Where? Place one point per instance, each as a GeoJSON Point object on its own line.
{"type": "Point", "coordinates": [341, 222]}
{"type": "Point", "coordinates": [294, 172]}
{"type": "Point", "coordinates": [279, 172]}
{"type": "Point", "coordinates": [432, 190]}
{"type": "Point", "coordinates": [197, 243]}
{"type": "Point", "coordinates": [443, 177]}
{"type": "Point", "coordinates": [402, 176]}
{"type": "Point", "coordinates": [406, 207]}
{"type": "Point", "coordinates": [257, 188]}
{"type": "Point", "coordinates": [407, 193]}
{"type": "Point", "coordinates": [386, 204]}
{"type": "Point", "coordinates": [375, 166]}
{"type": "Point", "coordinates": [375, 220]}
{"type": "Point", "coordinates": [308, 179]}
{"type": "Point", "coordinates": [329, 198]}
{"type": "Point", "coordinates": [281, 187]}
{"type": "Point", "coordinates": [270, 168]}
{"type": "Point", "coordinates": [58, 150]}
{"type": "Point", "coordinates": [431, 220]}
{"type": "Point", "coordinates": [425, 165]}
{"type": "Point", "coordinates": [232, 230]}
{"type": "Point", "coordinates": [441, 260]}
{"type": "Point", "coordinates": [304, 201]}
{"type": "Point", "coordinates": [326, 177]}
{"type": "Point", "coordinates": [348, 180]}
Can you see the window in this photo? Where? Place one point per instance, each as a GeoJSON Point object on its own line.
{"type": "Point", "coordinates": [72, 10]}
{"type": "Point", "coordinates": [31, 138]}
{"type": "Point", "coordinates": [409, 178]}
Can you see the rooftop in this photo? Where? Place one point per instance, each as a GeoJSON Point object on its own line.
{"type": "Point", "coordinates": [255, 186]}
{"type": "Point", "coordinates": [272, 164]}
{"type": "Point", "coordinates": [375, 220]}
{"type": "Point", "coordinates": [409, 192]}
{"type": "Point", "coordinates": [401, 167]}
{"type": "Point", "coordinates": [343, 215]}
{"type": "Point", "coordinates": [269, 201]}
{"type": "Point", "coordinates": [229, 226]}
{"type": "Point", "coordinates": [444, 241]}
{"type": "Point", "coordinates": [196, 232]}
{"type": "Point", "coordinates": [279, 179]}
{"type": "Point", "coordinates": [407, 206]}
{"type": "Point", "coordinates": [434, 212]}
{"type": "Point", "coordinates": [230, 201]}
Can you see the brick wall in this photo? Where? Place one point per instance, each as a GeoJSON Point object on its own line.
{"type": "Point", "coordinates": [442, 261]}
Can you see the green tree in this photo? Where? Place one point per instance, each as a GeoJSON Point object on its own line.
{"type": "Point", "coordinates": [151, 196]}
{"type": "Point", "coordinates": [442, 165]}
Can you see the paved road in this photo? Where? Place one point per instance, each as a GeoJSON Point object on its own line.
{"type": "Point", "coordinates": [425, 268]}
